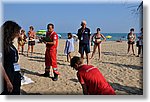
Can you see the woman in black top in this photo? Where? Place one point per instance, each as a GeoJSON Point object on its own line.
{"type": "Point", "coordinates": [10, 31]}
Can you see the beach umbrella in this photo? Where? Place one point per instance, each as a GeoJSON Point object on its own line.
{"type": "Point", "coordinates": [59, 35]}
{"type": "Point", "coordinates": [108, 37]}
{"type": "Point", "coordinates": [41, 32]}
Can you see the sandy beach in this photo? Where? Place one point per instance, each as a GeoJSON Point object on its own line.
{"type": "Point", "coordinates": [123, 72]}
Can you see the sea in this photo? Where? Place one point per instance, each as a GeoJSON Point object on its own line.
{"type": "Point", "coordinates": [115, 36]}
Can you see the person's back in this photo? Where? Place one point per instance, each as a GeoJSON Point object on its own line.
{"type": "Point", "coordinates": [94, 80]}
{"type": "Point", "coordinates": [71, 46]}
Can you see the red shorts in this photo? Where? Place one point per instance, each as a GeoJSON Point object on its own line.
{"type": "Point", "coordinates": [51, 58]}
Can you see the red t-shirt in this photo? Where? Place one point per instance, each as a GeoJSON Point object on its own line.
{"type": "Point", "coordinates": [94, 80]}
{"type": "Point", "coordinates": [54, 37]}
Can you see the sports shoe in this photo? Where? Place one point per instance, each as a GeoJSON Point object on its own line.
{"type": "Point", "coordinates": [55, 78]}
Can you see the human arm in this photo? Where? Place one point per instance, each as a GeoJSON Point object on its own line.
{"type": "Point", "coordinates": [104, 39]}
{"type": "Point", "coordinates": [92, 37]}
{"type": "Point", "coordinates": [52, 40]}
{"type": "Point", "coordinates": [51, 43]}
{"type": "Point", "coordinates": [89, 33]}
{"type": "Point", "coordinates": [8, 83]}
{"type": "Point", "coordinates": [84, 88]}
{"type": "Point", "coordinates": [134, 37]}
{"type": "Point", "coordinates": [81, 80]}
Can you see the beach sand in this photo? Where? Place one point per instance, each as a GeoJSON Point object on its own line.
{"type": "Point", "coordinates": [123, 72]}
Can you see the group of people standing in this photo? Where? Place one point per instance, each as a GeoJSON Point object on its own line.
{"type": "Point", "coordinates": [132, 40]}
{"type": "Point", "coordinates": [90, 78]}
{"type": "Point", "coordinates": [84, 36]}
{"type": "Point", "coordinates": [22, 39]}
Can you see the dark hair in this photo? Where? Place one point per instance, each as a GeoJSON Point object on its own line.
{"type": "Point", "coordinates": [69, 34]}
{"type": "Point", "coordinates": [10, 30]}
{"type": "Point", "coordinates": [22, 30]}
{"type": "Point", "coordinates": [98, 29]}
{"type": "Point", "coordinates": [141, 29]}
{"type": "Point", "coordinates": [132, 29]}
{"type": "Point", "coordinates": [31, 27]}
{"type": "Point", "coordinates": [74, 60]}
{"type": "Point", "coordinates": [50, 24]}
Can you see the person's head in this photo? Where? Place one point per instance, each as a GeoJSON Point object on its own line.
{"type": "Point", "coordinates": [69, 35]}
{"type": "Point", "coordinates": [50, 27]}
{"type": "Point", "coordinates": [76, 62]}
{"type": "Point", "coordinates": [132, 30]}
{"type": "Point", "coordinates": [22, 31]}
{"type": "Point", "coordinates": [10, 30]}
{"type": "Point", "coordinates": [83, 24]}
{"type": "Point", "coordinates": [98, 30]}
{"type": "Point", "coordinates": [31, 28]}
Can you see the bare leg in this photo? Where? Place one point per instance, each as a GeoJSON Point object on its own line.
{"type": "Point", "coordinates": [94, 49]}
{"type": "Point", "coordinates": [69, 56]}
{"type": "Point", "coordinates": [87, 56]}
{"type": "Point", "coordinates": [99, 50]}
{"type": "Point", "coordinates": [32, 49]}
{"type": "Point", "coordinates": [82, 57]}
{"type": "Point", "coordinates": [28, 49]}
{"type": "Point", "coordinates": [139, 51]}
{"type": "Point", "coordinates": [22, 49]}
{"type": "Point", "coordinates": [133, 49]}
{"type": "Point", "coordinates": [128, 48]}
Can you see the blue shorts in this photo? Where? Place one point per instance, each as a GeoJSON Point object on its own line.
{"type": "Point", "coordinates": [84, 47]}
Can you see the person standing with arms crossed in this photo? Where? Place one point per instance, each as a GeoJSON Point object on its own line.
{"type": "Point", "coordinates": [51, 52]}
{"type": "Point", "coordinates": [84, 40]}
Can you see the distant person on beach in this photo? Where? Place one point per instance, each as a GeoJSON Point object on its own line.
{"type": "Point", "coordinates": [69, 47]}
{"type": "Point", "coordinates": [84, 40]}
{"type": "Point", "coordinates": [22, 40]}
{"type": "Point", "coordinates": [131, 40]}
{"type": "Point", "coordinates": [51, 52]}
{"type": "Point", "coordinates": [91, 79]}
{"type": "Point", "coordinates": [140, 43]}
{"type": "Point", "coordinates": [96, 38]}
{"type": "Point", "coordinates": [31, 42]}
{"type": "Point", "coordinates": [11, 30]}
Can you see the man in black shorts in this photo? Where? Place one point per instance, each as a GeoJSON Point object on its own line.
{"type": "Point", "coordinates": [84, 40]}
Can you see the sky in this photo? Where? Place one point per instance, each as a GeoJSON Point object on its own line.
{"type": "Point", "coordinates": [67, 17]}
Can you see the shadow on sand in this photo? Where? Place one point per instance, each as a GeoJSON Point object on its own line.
{"type": "Point", "coordinates": [129, 90]}
{"type": "Point", "coordinates": [128, 66]}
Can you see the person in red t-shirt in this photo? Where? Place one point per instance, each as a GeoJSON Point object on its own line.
{"type": "Point", "coordinates": [91, 79]}
{"type": "Point", "coordinates": [51, 52]}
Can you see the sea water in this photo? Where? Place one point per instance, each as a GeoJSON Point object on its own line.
{"type": "Point", "coordinates": [115, 36]}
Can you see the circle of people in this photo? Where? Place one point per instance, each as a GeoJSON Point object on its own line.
{"type": "Point", "coordinates": [90, 78]}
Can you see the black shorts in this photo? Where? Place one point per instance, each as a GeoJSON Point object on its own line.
{"type": "Point", "coordinates": [84, 47]}
{"type": "Point", "coordinates": [31, 43]}
{"type": "Point", "coordinates": [131, 42]}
